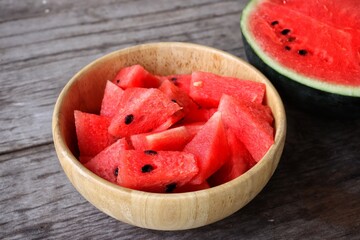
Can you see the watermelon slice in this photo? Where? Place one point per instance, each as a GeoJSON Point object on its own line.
{"type": "Point", "coordinates": [136, 76]}
{"type": "Point", "coordinates": [182, 81]}
{"type": "Point", "coordinates": [210, 148]}
{"type": "Point", "coordinates": [106, 163]}
{"type": "Point", "coordinates": [92, 134]}
{"type": "Point", "coordinates": [237, 164]}
{"type": "Point", "coordinates": [156, 171]}
{"type": "Point", "coordinates": [249, 124]}
{"type": "Point", "coordinates": [177, 95]}
{"type": "Point", "coordinates": [173, 139]}
{"type": "Point", "coordinates": [192, 187]}
{"type": "Point", "coordinates": [112, 99]}
{"type": "Point", "coordinates": [143, 110]}
{"type": "Point", "coordinates": [206, 89]}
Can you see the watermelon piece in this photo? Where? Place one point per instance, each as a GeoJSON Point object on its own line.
{"type": "Point", "coordinates": [136, 76]}
{"type": "Point", "coordinates": [192, 187]}
{"type": "Point", "coordinates": [156, 171]}
{"type": "Point", "coordinates": [173, 139]}
{"type": "Point", "coordinates": [92, 134]}
{"type": "Point", "coordinates": [210, 148]}
{"type": "Point", "coordinates": [237, 164]}
{"type": "Point", "coordinates": [106, 163]}
{"type": "Point", "coordinates": [182, 81]}
{"type": "Point", "coordinates": [248, 124]}
{"type": "Point", "coordinates": [177, 95]}
{"type": "Point", "coordinates": [199, 115]}
{"type": "Point", "coordinates": [207, 88]}
{"type": "Point", "coordinates": [112, 99]}
{"type": "Point", "coordinates": [143, 110]}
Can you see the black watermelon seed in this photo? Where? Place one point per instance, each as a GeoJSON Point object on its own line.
{"type": "Point", "coordinates": [118, 81]}
{"type": "Point", "coordinates": [116, 171]}
{"type": "Point", "coordinates": [302, 52]}
{"type": "Point", "coordinates": [285, 31]}
{"type": "Point", "coordinates": [147, 168]}
{"type": "Point", "coordinates": [291, 39]}
{"type": "Point", "coordinates": [173, 100]}
{"type": "Point", "coordinates": [274, 23]}
{"type": "Point", "coordinates": [170, 187]}
{"type": "Point", "coordinates": [150, 152]}
{"type": "Point", "coordinates": [287, 48]}
{"type": "Point", "coordinates": [173, 79]}
{"type": "Point", "coordinates": [128, 119]}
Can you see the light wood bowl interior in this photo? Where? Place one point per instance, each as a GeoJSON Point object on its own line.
{"type": "Point", "coordinates": [150, 210]}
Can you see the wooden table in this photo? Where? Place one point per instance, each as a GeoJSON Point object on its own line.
{"type": "Point", "coordinates": [314, 193]}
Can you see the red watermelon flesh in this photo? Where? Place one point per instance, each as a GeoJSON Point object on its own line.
{"type": "Point", "coordinates": [192, 187]}
{"type": "Point", "coordinates": [92, 133]}
{"type": "Point", "coordinates": [182, 81]}
{"type": "Point", "coordinates": [173, 139]}
{"type": "Point", "coordinates": [248, 124]}
{"type": "Point", "coordinates": [177, 95]}
{"type": "Point", "coordinates": [237, 164]}
{"type": "Point", "coordinates": [210, 148]}
{"type": "Point", "coordinates": [342, 14]}
{"type": "Point", "coordinates": [199, 115]}
{"type": "Point", "coordinates": [112, 99]}
{"type": "Point", "coordinates": [106, 163]}
{"type": "Point", "coordinates": [136, 76]}
{"type": "Point", "coordinates": [289, 33]}
{"type": "Point", "coordinates": [156, 171]}
{"type": "Point", "coordinates": [144, 111]}
{"type": "Point", "coordinates": [207, 88]}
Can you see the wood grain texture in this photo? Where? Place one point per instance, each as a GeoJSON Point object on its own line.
{"type": "Point", "coordinates": [313, 194]}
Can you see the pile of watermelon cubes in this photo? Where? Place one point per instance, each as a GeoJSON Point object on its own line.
{"type": "Point", "coordinates": [178, 133]}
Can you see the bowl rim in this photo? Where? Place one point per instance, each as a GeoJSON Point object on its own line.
{"type": "Point", "coordinates": [61, 146]}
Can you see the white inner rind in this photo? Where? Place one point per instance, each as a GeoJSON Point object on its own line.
{"type": "Point", "coordinates": [286, 71]}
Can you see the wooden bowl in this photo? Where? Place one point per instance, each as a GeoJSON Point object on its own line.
{"type": "Point", "coordinates": [152, 210]}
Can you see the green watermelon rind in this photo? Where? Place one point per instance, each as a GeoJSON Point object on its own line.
{"type": "Point", "coordinates": [351, 91]}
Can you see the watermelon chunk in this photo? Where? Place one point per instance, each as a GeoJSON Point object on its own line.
{"type": "Point", "coordinates": [92, 134]}
{"type": "Point", "coordinates": [182, 81]}
{"type": "Point", "coordinates": [177, 95]}
{"type": "Point", "coordinates": [173, 139]}
{"type": "Point", "coordinates": [237, 164]}
{"type": "Point", "coordinates": [111, 100]}
{"type": "Point", "coordinates": [156, 171]}
{"type": "Point", "coordinates": [136, 76]}
{"type": "Point", "coordinates": [248, 124]}
{"type": "Point", "coordinates": [207, 88]}
{"type": "Point", "coordinates": [106, 163]}
{"type": "Point", "coordinates": [192, 187]}
{"type": "Point", "coordinates": [143, 110]}
{"type": "Point", "coordinates": [199, 115]}
{"type": "Point", "coordinates": [210, 148]}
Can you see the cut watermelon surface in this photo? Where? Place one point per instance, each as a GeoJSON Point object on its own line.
{"type": "Point", "coordinates": [161, 138]}
{"type": "Point", "coordinates": [106, 163]}
{"type": "Point", "coordinates": [92, 133]}
{"type": "Point", "coordinates": [162, 171]}
{"type": "Point", "coordinates": [207, 89]}
{"type": "Point", "coordinates": [210, 147]}
{"type": "Point", "coordinates": [318, 39]}
{"type": "Point", "coordinates": [248, 124]}
{"type": "Point", "coordinates": [112, 99]}
{"type": "Point", "coordinates": [135, 76]}
{"type": "Point", "coordinates": [146, 110]}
